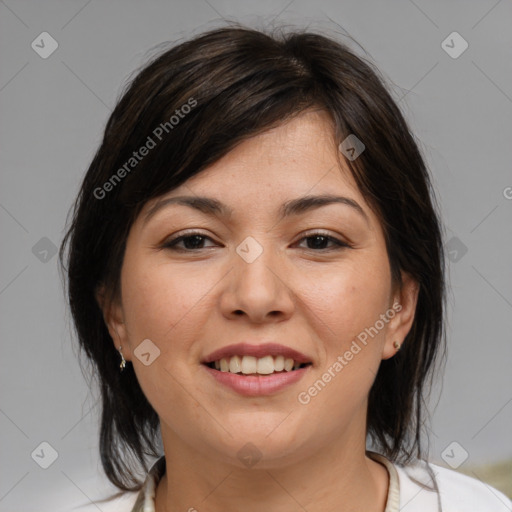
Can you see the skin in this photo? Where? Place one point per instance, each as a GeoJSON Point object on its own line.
{"type": "Point", "coordinates": [316, 300]}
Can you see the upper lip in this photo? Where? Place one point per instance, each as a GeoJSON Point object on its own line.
{"type": "Point", "coordinates": [260, 350]}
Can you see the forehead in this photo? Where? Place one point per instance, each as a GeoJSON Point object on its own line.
{"type": "Point", "coordinates": [294, 159]}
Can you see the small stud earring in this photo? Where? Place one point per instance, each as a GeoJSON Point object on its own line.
{"type": "Point", "coordinates": [396, 345]}
{"type": "Point", "coordinates": [123, 360]}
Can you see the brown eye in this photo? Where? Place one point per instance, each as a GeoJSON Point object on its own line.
{"type": "Point", "coordinates": [319, 241]}
{"type": "Point", "coordinates": [191, 242]}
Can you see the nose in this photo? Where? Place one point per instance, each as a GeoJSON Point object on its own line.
{"type": "Point", "coordinates": [258, 289]}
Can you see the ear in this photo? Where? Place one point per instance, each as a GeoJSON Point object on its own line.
{"type": "Point", "coordinates": [114, 320]}
{"type": "Point", "coordinates": [403, 304]}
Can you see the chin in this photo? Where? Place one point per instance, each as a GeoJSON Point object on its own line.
{"type": "Point", "coordinates": [272, 444]}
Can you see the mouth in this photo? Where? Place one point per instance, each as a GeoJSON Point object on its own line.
{"type": "Point", "coordinates": [255, 370]}
{"type": "Point", "coordinates": [254, 366]}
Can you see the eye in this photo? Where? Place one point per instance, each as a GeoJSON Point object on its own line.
{"type": "Point", "coordinates": [195, 240]}
{"type": "Point", "coordinates": [191, 241]}
{"type": "Point", "coordinates": [319, 240]}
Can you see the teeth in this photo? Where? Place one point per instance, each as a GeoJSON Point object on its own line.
{"type": "Point", "coordinates": [288, 364]}
{"type": "Point", "coordinates": [248, 365]}
{"type": "Point", "coordinates": [235, 364]}
{"type": "Point", "coordinates": [224, 365]}
{"type": "Point", "coordinates": [265, 365]}
{"type": "Point", "coordinates": [279, 363]}
{"type": "Point", "coordinates": [251, 365]}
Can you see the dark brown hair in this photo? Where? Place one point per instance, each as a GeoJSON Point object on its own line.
{"type": "Point", "coordinates": [239, 82]}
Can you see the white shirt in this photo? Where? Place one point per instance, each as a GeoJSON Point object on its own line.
{"type": "Point", "coordinates": [417, 487]}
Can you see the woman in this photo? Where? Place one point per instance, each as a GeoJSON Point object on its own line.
{"type": "Point", "coordinates": [256, 273]}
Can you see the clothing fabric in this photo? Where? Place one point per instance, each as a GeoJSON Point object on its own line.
{"type": "Point", "coordinates": [417, 487]}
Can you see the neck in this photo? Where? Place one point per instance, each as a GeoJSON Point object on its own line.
{"type": "Point", "coordinates": [338, 477]}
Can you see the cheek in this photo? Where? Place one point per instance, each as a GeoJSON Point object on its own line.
{"type": "Point", "coordinates": [350, 299]}
{"type": "Point", "coordinates": [163, 305]}
{"type": "Point", "coordinates": [156, 298]}
{"type": "Point", "coordinates": [344, 305]}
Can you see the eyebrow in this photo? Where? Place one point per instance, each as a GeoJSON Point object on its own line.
{"type": "Point", "coordinates": [213, 207]}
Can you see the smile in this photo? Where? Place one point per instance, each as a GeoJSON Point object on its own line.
{"type": "Point", "coordinates": [250, 365]}
{"type": "Point", "coordinates": [254, 370]}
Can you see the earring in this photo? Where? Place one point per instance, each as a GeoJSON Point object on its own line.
{"type": "Point", "coordinates": [396, 345]}
{"type": "Point", "coordinates": [123, 360]}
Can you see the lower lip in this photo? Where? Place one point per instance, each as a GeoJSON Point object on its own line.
{"type": "Point", "coordinates": [257, 385]}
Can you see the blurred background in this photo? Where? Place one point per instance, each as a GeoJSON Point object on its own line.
{"type": "Point", "coordinates": [63, 65]}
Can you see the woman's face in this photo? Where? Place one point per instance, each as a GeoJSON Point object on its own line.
{"type": "Point", "coordinates": [259, 277]}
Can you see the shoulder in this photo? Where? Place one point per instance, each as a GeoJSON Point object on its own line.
{"type": "Point", "coordinates": [447, 490]}
{"type": "Point", "coordinates": [458, 490]}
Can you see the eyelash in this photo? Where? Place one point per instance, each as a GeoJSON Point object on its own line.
{"type": "Point", "coordinates": [172, 244]}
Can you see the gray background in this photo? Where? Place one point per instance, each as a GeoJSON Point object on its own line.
{"type": "Point", "coordinates": [53, 112]}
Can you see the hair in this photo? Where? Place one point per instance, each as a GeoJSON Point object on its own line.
{"type": "Point", "coordinates": [237, 83]}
